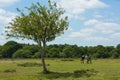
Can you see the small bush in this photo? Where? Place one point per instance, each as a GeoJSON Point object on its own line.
{"type": "Point", "coordinates": [80, 71]}
{"type": "Point", "coordinates": [87, 72]}
{"type": "Point", "coordinates": [37, 55]}
{"type": "Point", "coordinates": [22, 54]}
{"type": "Point", "coordinates": [9, 70]}
{"type": "Point", "coordinates": [67, 60]}
{"type": "Point", "coordinates": [27, 64]}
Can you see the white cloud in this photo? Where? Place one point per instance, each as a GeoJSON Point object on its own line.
{"type": "Point", "coordinates": [69, 29]}
{"type": "Point", "coordinates": [98, 32]}
{"type": "Point", "coordinates": [6, 13]}
{"type": "Point", "coordinates": [115, 36]}
{"type": "Point", "coordinates": [98, 16]}
{"type": "Point", "coordinates": [4, 19]}
{"type": "Point", "coordinates": [88, 35]}
{"type": "Point", "coordinates": [91, 22]}
{"type": "Point", "coordinates": [7, 2]}
{"type": "Point", "coordinates": [107, 27]}
{"type": "Point", "coordinates": [83, 33]}
{"type": "Point", "coordinates": [103, 27]}
{"type": "Point", "coordinates": [99, 40]}
{"type": "Point", "coordinates": [6, 16]}
{"type": "Point", "coordinates": [75, 7]}
{"type": "Point", "coordinates": [2, 40]}
{"type": "Point", "coordinates": [77, 17]}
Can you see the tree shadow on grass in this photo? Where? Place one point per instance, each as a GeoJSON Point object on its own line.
{"type": "Point", "coordinates": [75, 74]}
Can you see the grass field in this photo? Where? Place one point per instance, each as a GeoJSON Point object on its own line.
{"type": "Point", "coordinates": [30, 69]}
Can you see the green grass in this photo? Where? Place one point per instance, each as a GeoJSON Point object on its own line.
{"type": "Point", "coordinates": [101, 69]}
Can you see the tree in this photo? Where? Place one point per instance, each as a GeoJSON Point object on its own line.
{"type": "Point", "coordinates": [118, 49]}
{"type": "Point", "coordinates": [109, 50]}
{"type": "Point", "coordinates": [32, 48]}
{"type": "Point", "coordinates": [68, 52]}
{"type": "Point", "coordinates": [21, 53]}
{"type": "Point", "coordinates": [115, 53]}
{"type": "Point", "coordinates": [100, 51]}
{"type": "Point", "coordinates": [83, 51]}
{"type": "Point", "coordinates": [39, 23]}
{"type": "Point", "coordinates": [76, 51]}
{"type": "Point", "coordinates": [7, 50]}
{"type": "Point", "coordinates": [54, 53]}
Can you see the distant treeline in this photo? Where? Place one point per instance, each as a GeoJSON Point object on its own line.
{"type": "Point", "coordinates": [12, 49]}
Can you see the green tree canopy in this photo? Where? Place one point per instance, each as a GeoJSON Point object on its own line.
{"type": "Point", "coordinates": [39, 23]}
{"type": "Point", "coordinates": [7, 50]}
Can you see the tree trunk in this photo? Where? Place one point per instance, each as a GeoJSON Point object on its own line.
{"type": "Point", "coordinates": [43, 58]}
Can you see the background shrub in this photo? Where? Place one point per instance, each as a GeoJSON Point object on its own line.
{"type": "Point", "coordinates": [22, 54]}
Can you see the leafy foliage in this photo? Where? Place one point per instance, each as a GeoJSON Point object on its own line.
{"type": "Point", "coordinates": [22, 54]}
{"type": "Point", "coordinates": [41, 24]}
{"type": "Point", "coordinates": [7, 50]}
{"type": "Point", "coordinates": [32, 48]}
{"type": "Point", "coordinates": [53, 52]}
{"type": "Point", "coordinates": [17, 50]}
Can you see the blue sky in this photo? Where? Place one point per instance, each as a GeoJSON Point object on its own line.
{"type": "Point", "coordinates": [91, 22]}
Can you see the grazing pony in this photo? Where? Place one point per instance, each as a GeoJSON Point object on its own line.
{"type": "Point", "coordinates": [89, 59]}
{"type": "Point", "coordinates": [82, 59]}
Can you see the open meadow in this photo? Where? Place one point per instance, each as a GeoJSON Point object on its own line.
{"type": "Point", "coordinates": [62, 69]}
